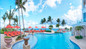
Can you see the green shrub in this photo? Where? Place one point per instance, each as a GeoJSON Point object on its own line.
{"type": "Point", "coordinates": [7, 37]}
{"type": "Point", "coordinates": [57, 25]}
{"type": "Point", "coordinates": [1, 31]}
{"type": "Point", "coordinates": [48, 31]}
{"type": "Point", "coordinates": [70, 28]}
{"type": "Point", "coordinates": [19, 37]}
{"type": "Point", "coordinates": [50, 27]}
{"type": "Point", "coordinates": [78, 37]}
{"type": "Point", "coordinates": [57, 32]}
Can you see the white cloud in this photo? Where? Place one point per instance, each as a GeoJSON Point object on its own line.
{"type": "Point", "coordinates": [2, 23]}
{"type": "Point", "coordinates": [30, 23]}
{"type": "Point", "coordinates": [1, 8]}
{"type": "Point", "coordinates": [31, 7]}
{"type": "Point", "coordinates": [70, 3]}
{"type": "Point", "coordinates": [52, 3]}
{"type": "Point", "coordinates": [73, 15]}
{"type": "Point", "coordinates": [59, 1]}
{"type": "Point", "coordinates": [72, 7]}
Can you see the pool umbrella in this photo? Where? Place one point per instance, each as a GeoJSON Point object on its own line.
{"type": "Point", "coordinates": [36, 27]}
{"type": "Point", "coordinates": [16, 27]}
{"type": "Point", "coordinates": [29, 27]}
{"type": "Point", "coordinates": [43, 27]}
{"type": "Point", "coordinates": [9, 26]}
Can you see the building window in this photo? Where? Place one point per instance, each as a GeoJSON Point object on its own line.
{"type": "Point", "coordinates": [84, 17]}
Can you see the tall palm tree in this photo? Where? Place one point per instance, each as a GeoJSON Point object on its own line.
{"type": "Point", "coordinates": [78, 28]}
{"type": "Point", "coordinates": [14, 21]}
{"type": "Point", "coordinates": [20, 4]}
{"type": "Point", "coordinates": [42, 21]}
{"type": "Point", "coordinates": [17, 2]}
{"type": "Point", "coordinates": [63, 22]}
{"type": "Point", "coordinates": [49, 19]}
{"type": "Point", "coordinates": [10, 15]}
{"type": "Point", "coordinates": [58, 20]}
{"type": "Point", "coordinates": [4, 18]}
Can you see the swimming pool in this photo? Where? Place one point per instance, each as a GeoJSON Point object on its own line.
{"type": "Point", "coordinates": [53, 41]}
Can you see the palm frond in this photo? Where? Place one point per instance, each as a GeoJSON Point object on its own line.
{"type": "Point", "coordinates": [24, 8]}
{"type": "Point", "coordinates": [24, 2]}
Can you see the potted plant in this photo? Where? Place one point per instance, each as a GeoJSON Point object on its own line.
{"type": "Point", "coordinates": [8, 40]}
{"type": "Point", "coordinates": [26, 41]}
{"type": "Point", "coordinates": [78, 28]}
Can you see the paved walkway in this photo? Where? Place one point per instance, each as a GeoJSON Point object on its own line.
{"type": "Point", "coordinates": [80, 42]}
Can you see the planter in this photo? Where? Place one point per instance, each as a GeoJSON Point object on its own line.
{"type": "Point", "coordinates": [26, 41]}
{"type": "Point", "coordinates": [8, 41]}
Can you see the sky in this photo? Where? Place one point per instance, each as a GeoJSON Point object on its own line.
{"type": "Point", "coordinates": [69, 10]}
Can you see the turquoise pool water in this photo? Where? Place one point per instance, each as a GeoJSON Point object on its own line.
{"type": "Point", "coordinates": [51, 41]}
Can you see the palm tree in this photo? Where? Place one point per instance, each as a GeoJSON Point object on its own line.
{"type": "Point", "coordinates": [63, 22]}
{"type": "Point", "coordinates": [42, 21]}
{"type": "Point", "coordinates": [78, 28]}
{"type": "Point", "coordinates": [20, 4]}
{"type": "Point", "coordinates": [10, 15]}
{"type": "Point", "coordinates": [49, 19]}
{"type": "Point", "coordinates": [17, 2]}
{"type": "Point", "coordinates": [4, 18]}
{"type": "Point", "coordinates": [58, 20]}
{"type": "Point", "coordinates": [14, 21]}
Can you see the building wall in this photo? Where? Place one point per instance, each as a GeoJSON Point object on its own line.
{"type": "Point", "coordinates": [84, 10]}
{"type": "Point", "coordinates": [84, 17]}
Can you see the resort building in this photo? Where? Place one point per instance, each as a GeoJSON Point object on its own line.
{"type": "Point", "coordinates": [83, 21]}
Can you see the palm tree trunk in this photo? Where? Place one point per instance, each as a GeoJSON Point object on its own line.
{"type": "Point", "coordinates": [19, 23]}
{"type": "Point", "coordinates": [9, 21]}
{"type": "Point", "coordinates": [22, 20]}
{"type": "Point", "coordinates": [4, 23]}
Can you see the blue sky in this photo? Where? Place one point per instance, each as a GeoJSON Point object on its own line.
{"type": "Point", "coordinates": [37, 9]}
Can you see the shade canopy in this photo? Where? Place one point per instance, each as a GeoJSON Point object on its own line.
{"type": "Point", "coordinates": [36, 27]}
{"type": "Point", "coordinates": [16, 27]}
{"type": "Point", "coordinates": [9, 26]}
{"type": "Point", "coordinates": [43, 27]}
{"type": "Point", "coordinates": [29, 27]}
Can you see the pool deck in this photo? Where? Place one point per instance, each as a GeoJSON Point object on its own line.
{"type": "Point", "coordinates": [3, 43]}
{"type": "Point", "coordinates": [80, 42]}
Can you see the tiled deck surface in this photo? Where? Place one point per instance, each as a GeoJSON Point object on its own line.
{"type": "Point", "coordinates": [80, 42]}
{"type": "Point", "coordinates": [3, 43]}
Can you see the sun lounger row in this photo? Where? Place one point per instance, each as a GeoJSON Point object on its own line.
{"type": "Point", "coordinates": [13, 33]}
{"type": "Point", "coordinates": [36, 31]}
